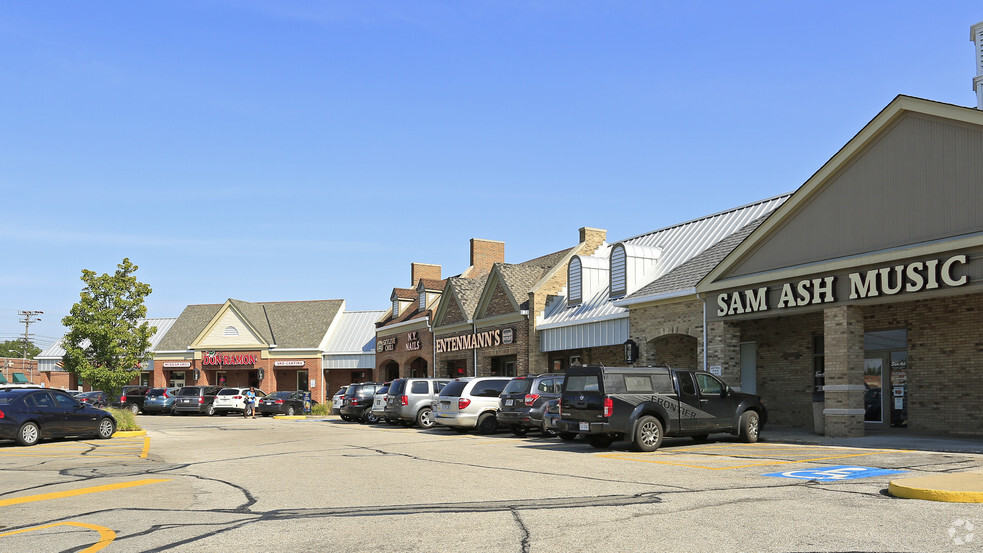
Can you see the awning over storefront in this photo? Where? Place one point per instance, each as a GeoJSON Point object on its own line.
{"type": "Point", "coordinates": [19, 378]}
{"type": "Point", "coordinates": [3, 379]}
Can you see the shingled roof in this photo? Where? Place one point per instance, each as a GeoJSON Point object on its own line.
{"type": "Point", "coordinates": [293, 324]}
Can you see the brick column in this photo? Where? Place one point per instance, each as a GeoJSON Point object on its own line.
{"type": "Point", "coordinates": [724, 350]}
{"type": "Point", "coordinates": [843, 340]}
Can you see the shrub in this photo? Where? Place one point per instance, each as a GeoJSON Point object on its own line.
{"type": "Point", "coordinates": [321, 409]}
{"type": "Point", "coordinates": [125, 419]}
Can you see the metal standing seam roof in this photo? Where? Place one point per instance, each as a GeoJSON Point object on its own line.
{"type": "Point", "coordinates": [679, 243]}
{"type": "Point", "coordinates": [355, 333]}
{"type": "Point", "coordinates": [163, 324]}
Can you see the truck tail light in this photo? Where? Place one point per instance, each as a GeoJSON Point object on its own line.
{"type": "Point", "coordinates": [530, 399]}
{"type": "Point", "coordinates": [463, 403]}
{"type": "Point", "coordinates": [122, 398]}
{"type": "Point", "coordinates": [403, 400]}
{"type": "Point", "coordinates": [608, 406]}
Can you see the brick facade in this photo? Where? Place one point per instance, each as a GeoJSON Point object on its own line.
{"type": "Point", "coordinates": [944, 362]}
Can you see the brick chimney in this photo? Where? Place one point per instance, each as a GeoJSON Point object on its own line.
{"type": "Point", "coordinates": [592, 238]}
{"type": "Point", "coordinates": [484, 254]}
{"type": "Point", "coordinates": [423, 270]}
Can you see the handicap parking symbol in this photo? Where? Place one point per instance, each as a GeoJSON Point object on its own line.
{"type": "Point", "coordinates": [834, 474]}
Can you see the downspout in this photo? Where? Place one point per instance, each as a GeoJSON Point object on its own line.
{"type": "Point", "coordinates": [703, 300]}
{"type": "Point", "coordinates": [474, 332]}
{"type": "Point", "coordinates": [433, 345]}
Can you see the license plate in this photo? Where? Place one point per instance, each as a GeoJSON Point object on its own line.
{"type": "Point", "coordinates": [585, 426]}
{"type": "Point", "coordinates": [508, 403]}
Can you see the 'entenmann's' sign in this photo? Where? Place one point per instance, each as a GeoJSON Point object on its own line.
{"type": "Point", "coordinates": [488, 338]}
{"type": "Point", "coordinates": [887, 281]}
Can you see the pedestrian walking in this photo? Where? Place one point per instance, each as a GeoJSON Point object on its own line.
{"type": "Point", "coordinates": [250, 410]}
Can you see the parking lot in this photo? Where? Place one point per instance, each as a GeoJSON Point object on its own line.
{"type": "Point", "coordinates": [215, 483]}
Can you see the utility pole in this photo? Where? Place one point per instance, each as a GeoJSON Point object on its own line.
{"type": "Point", "coordinates": [28, 317]}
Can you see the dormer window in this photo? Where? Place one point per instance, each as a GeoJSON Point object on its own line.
{"type": "Point", "coordinates": [395, 308]}
{"type": "Point", "coordinates": [575, 282]}
{"type": "Point", "coordinates": [619, 282]}
{"type": "Point", "coordinates": [230, 331]}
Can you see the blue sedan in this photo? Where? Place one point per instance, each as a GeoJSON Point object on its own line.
{"type": "Point", "coordinates": [28, 415]}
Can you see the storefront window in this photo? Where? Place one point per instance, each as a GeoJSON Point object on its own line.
{"type": "Point", "coordinates": [302, 383]}
{"type": "Point", "coordinates": [176, 379]}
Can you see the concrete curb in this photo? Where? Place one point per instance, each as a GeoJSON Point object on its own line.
{"type": "Point", "coordinates": [963, 487]}
{"type": "Point", "coordinates": [129, 433]}
{"type": "Point", "coordinates": [303, 417]}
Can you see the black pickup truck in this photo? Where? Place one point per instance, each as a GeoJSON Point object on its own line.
{"type": "Point", "coordinates": [642, 405]}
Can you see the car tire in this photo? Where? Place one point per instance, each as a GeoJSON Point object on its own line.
{"type": "Point", "coordinates": [134, 408]}
{"type": "Point", "coordinates": [28, 434]}
{"type": "Point", "coordinates": [371, 419]}
{"type": "Point", "coordinates": [210, 411]}
{"type": "Point", "coordinates": [487, 424]}
{"type": "Point", "coordinates": [520, 430]}
{"type": "Point", "coordinates": [600, 441]}
{"type": "Point", "coordinates": [290, 410]}
{"type": "Point", "coordinates": [460, 429]}
{"type": "Point", "coordinates": [567, 436]}
{"type": "Point", "coordinates": [107, 427]}
{"type": "Point", "coordinates": [648, 434]}
{"type": "Point", "coordinates": [750, 427]}
{"type": "Point", "coordinates": [425, 418]}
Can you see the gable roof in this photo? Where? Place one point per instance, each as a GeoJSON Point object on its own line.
{"type": "Point", "coordinates": [519, 279]}
{"type": "Point", "coordinates": [293, 324]}
{"type": "Point", "coordinates": [889, 147]}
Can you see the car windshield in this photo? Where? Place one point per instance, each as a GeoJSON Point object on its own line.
{"type": "Point", "coordinates": [383, 391]}
{"type": "Point", "coordinates": [519, 386]}
{"type": "Point", "coordinates": [156, 392]}
{"type": "Point", "coordinates": [229, 392]}
{"type": "Point", "coordinates": [397, 386]}
{"type": "Point", "coordinates": [279, 395]}
{"type": "Point", "coordinates": [190, 391]}
{"type": "Point", "coordinates": [588, 383]}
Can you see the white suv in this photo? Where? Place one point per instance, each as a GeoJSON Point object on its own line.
{"type": "Point", "coordinates": [233, 400]}
{"type": "Point", "coordinates": [467, 403]}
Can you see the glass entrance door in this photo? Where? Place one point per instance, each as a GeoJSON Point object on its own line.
{"type": "Point", "coordinates": [886, 379]}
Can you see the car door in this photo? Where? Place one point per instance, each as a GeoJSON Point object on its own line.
{"type": "Point", "coordinates": [691, 415]}
{"type": "Point", "coordinates": [715, 400]}
{"type": "Point", "coordinates": [42, 406]}
{"type": "Point", "coordinates": [77, 420]}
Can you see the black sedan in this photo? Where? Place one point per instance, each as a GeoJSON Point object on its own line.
{"type": "Point", "coordinates": [95, 399]}
{"type": "Point", "coordinates": [28, 415]}
{"type": "Point", "coordinates": [282, 403]}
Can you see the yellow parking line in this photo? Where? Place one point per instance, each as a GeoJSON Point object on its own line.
{"type": "Point", "coordinates": [146, 448]}
{"type": "Point", "coordinates": [106, 536]}
{"type": "Point", "coordinates": [79, 491]}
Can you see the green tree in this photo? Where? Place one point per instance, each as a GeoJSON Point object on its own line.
{"type": "Point", "coordinates": [15, 348]}
{"type": "Point", "coordinates": [105, 345]}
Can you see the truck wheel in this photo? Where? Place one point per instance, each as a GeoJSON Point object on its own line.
{"type": "Point", "coordinates": [487, 424]}
{"type": "Point", "coordinates": [749, 427]}
{"type": "Point", "coordinates": [520, 430]}
{"type": "Point", "coordinates": [425, 418]}
{"type": "Point", "coordinates": [600, 441]}
{"type": "Point", "coordinates": [648, 434]}
{"type": "Point", "coordinates": [134, 408]}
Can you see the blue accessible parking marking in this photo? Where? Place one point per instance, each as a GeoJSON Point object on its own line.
{"type": "Point", "coordinates": [832, 474]}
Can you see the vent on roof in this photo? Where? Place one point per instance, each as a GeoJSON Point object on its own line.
{"type": "Point", "coordinates": [976, 36]}
{"type": "Point", "coordinates": [395, 308]}
{"type": "Point", "coordinates": [230, 331]}
{"type": "Point", "coordinates": [630, 263]}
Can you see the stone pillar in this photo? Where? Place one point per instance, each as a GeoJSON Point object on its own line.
{"type": "Point", "coordinates": [843, 341]}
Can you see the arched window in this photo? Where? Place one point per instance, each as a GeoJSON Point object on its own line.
{"type": "Point", "coordinates": [575, 282]}
{"type": "Point", "coordinates": [619, 282]}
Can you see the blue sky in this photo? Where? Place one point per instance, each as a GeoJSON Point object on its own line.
{"type": "Point", "coordinates": [297, 150]}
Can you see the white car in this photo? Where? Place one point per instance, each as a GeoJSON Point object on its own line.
{"type": "Point", "coordinates": [470, 403]}
{"type": "Point", "coordinates": [337, 399]}
{"type": "Point", "coordinates": [233, 400]}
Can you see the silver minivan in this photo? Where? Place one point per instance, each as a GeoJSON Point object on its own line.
{"type": "Point", "coordinates": [409, 400]}
{"type": "Point", "coordinates": [467, 403]}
